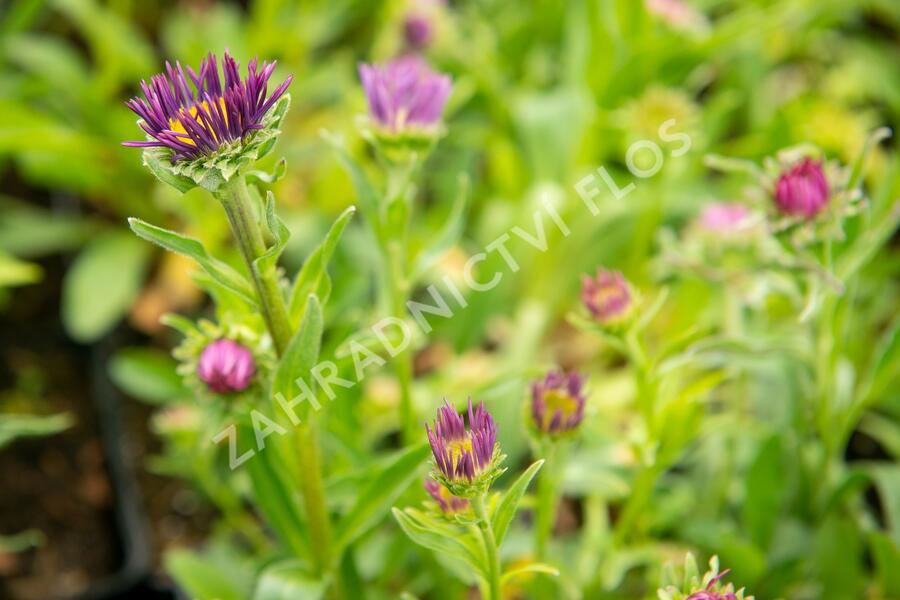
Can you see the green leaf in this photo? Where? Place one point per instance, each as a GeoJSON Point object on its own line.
{"type": "Point", "coordinates": [160, 165]}
{"type": "Point", "coordinates": [384, 487]}
{"type": "Point", "coordinates": [102, 283]}
{"type": "Point", "coordinates": [366, 195]}
{"type": "Point", "coordinates": [886, 555]}
{"type": "Point", "coordinates": [529, 568]}
{"type": "Point", "coordinates": [312, 277]}
{"type": "Point", "coordinates": [14, 272]}
{"type": "Point", "coordinates": [764, 492]}
{"type": "Point", "coordinates": [302, 352]}
{"type": "Point", "coordinates": [268, 261]}
{"type": "Point", "coordinates": [275, 496]}
{"type": "Point", "coordinates": [439, 537]}
{"type": "Point", "coordinates": [203, 577]}
{"type": "Point", "coordinates": [180, 244]}
{"type": "Point", "coordinates": [269, 178]}
{"type": "Point", "coordinates": [146, 374]}
{"type": "Point", "coordinates": [16, 426]}
{"type": "Point", "coordinates": [509, 503]}
{"type": "Point", "coordinates": [449, 234]}
{"type": "Point", "coordinates": [19, 542]}
{"type": "Point", "coordinates": [288, 580]}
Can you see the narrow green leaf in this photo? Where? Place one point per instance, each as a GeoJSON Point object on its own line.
{"type": "Point", "coordinates": [439, 537]}
{"type": "Point", "coordinates": [146, 374]}
{"type": "Point", "coordinates": [449, 234]}
{"type": "Point", "coordinates": [15, 426]}
{"type": "Point", "coordinates": [161, 167]}
{"type": "Point", "coordinates": [180, 244]}
{"type": "Point", "coordinates": [384, 487]}
{"type": "Point", "coordinates": [311, 278]}
{"type": "Point", "coordinates": [279, 231]}
{"type": "Point", "coordinates": [202, 577]}
{"type": "Point", "coordinates": [509, 503]}
{"type": "Point", "coordinates": [288, 580]}
{"type": "Point", "coordinates": [102, 283]}
{"type": "Point", "coordinates": [302, 352]}
{"type": "Point", "coordinates": [530, 568]}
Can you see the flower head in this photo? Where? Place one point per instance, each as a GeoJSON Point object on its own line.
{"type": "Point", "coordinates": [608, 297]}
{"type": "Point", "coordinates": [448, 503]}
{"type": "Point", "coordinates": [466, 461]}
{"type": "Point", "coordinates": [802, 190]}
{"type": "Point", "coordinates": [557, 403]}
{"type": "Point", "coordinates": [197, 114]}
{"type": "Point", "coordinates": [417, 30]}
{"type": "Point", "coordinates": [724, 217]}
{"type": "Point", "coordinates": [405, 94]}
{"type": "Point", "coordinates": [710, 593]}
{"type": "Point", "coordinates": [226, 366]}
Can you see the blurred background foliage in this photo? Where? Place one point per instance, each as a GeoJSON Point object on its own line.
{"type": "Point", "coordinates": [544, 93]}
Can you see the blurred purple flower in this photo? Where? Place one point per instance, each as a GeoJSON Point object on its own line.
{"type": "Point", "coordinates": [557, 402]}
{"type": "Point", "coordinates": [462, 455]}
{"type": "Point", "coordinates": [607, 296]}
{"type": "Point", "coordinates": [449, 504]}
{"type": "Point", "coordinates": [723, 217]}
{"type": "Point", "coordinates": [198, 120]}
{"type": "Point", "coordinates": [405, 93]}
{"type": "Point", "coordinates": [803, 189]}
{"type": "Point", "coordinates": [226, 366]}
{"type": "Point", "coordinates": [417, 30]}
{"type": "Point", "coordinates": [677, 13]}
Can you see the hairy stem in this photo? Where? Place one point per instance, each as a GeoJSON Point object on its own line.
{"type": "Point", "coordinates": [245, 225]}
{"type": "Point", "coordinates": [490, 547]}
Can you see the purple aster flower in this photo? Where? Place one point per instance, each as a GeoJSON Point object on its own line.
{"type": "Point", "coordinates": [449, 504]}
{"type": "Point", "coordinates": [802, 190]}
{"type": "Point", "coordinates": [557, 402]}
{"type": "Point", "coordinates": [607, 296]}
{"type": "Point", "coordinates": [463, 455]}
{"type": "Point", "coordinates": [405, 94]}
{"type": "Point", "coordinates": [196, 114]}
{"type": "Point", "coordinates": [417, 31]}
{"type": "Point", "coordinates": [226, 366]}
{"type": "Point", "coordinates": [724, 217]}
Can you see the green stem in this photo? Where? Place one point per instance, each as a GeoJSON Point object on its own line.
{"type": "Point", "coordinates": [239, 207]}
{"type": "Point", "coordinates": [547, 499]}
{"type": "Point", "coordinates": [238, 204]}
{"type": "Point", "coordinates": [490, 547]}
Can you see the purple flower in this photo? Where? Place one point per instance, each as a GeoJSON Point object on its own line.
{"type": "Point", "coordinates": [723, 217]}
{"type": "Point", "coordinates": [417, 30]}
{"type": "Point", "coordinates": [710, 594]}
{"type": "Point", "coordinates": [607, 296]}
{"type": "Point", "coordinates": [226, 366]}
{"type": "Point", "coordinates": [449, 504]}
{"type": "Point", "coordinates": [802, 190]}
{"type": "Point", "coordinates": [405, 94]}
{"type": "Point", "coordinates": [198, 118]}
{"type": "Point", "coordinates": [461, 455]}
{"type": "Point", "coordinates": [557, 402]}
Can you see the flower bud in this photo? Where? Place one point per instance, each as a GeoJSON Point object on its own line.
{"type": "Point", "coordinates": [417, 31]}
{"type": "Point", "coordinates": [466, 461]}
{"type": "Point", "coordinates": [448, 503]}
{"type": "Point", "coordinates": [226, 366]}
{"type": "Point", "coordinates": [802, 190]}
{"type": "Point", "coordinates": [557, 403]}
{"type": "Point", "coordinates": [608, 297]}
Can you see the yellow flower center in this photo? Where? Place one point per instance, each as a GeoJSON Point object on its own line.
{"type": "Point", "coordinates": [176, 126]}
{"type": "Point", "coordinates": [558, 401]}
{"type": "Point", "coordinates": [458, 448]}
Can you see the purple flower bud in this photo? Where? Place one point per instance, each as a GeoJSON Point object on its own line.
{"type": "Point", "coordinates": [462, 455]}
{"type": "Point", "coordinates": [405, 94]}
{"type": "Point", "coordinates": [557, 402]}
{"type": "Point", "coordinates": [710, 592]}
{"type": "Point", "coordinates": [802, 190]}
{"type": "Point", "coordinates": [449, 504]}
{"type": "Point", "coordinates": [607, 296]}
{"type": "Point", "coordinates": [226, 366]}
{"type": "Point", "coordinates": [201, 117]}
{"type": "Point", "coordinates": [724, 217]}
{"type": "Point", "coordinates": [417, 30]}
